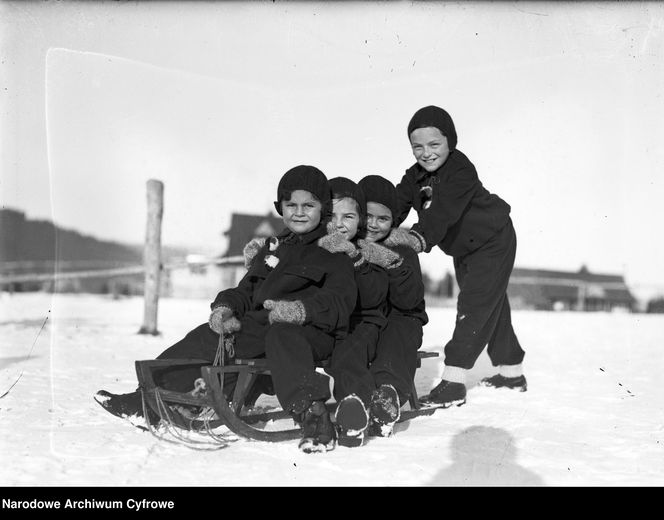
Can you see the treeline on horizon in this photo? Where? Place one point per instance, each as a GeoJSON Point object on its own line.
{"type": "Point", "coordinates": [24, 240]}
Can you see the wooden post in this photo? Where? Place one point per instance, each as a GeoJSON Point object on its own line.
{"type": "Point", "coordinates": [152, 256]}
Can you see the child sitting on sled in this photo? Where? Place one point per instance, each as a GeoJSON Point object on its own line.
{"type": "Point", "coordinates": [374, 368]}
{"type": "Point", "coordinates": [395, 359]}
{"type": "Point", "coordinates": [291, 306]}
{"type": "Point", "coordinates": [354, 392]}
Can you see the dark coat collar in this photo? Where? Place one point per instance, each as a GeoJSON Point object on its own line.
{"type": "Point", "coordinates": [288, 237]}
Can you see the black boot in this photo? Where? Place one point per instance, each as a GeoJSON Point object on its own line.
{"type": "Point", "coordinates": [318, 434]}
{"type": "Point", "coordinates": [352, 420]}
{"type": "Point", "coordinates": [499, 381]}
{"type": "Point", "coordinates": [447, 393]}
{"type": "Point", "coordinates": [384, 411]}
{"type": "Point", "coordinates": [127, 406]}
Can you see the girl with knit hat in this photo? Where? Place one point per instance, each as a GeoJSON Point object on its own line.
{"type": "Point", "coordinates": [457, 214]}
{"type": "Point", "coordinates": [394, 361]}
{"type": "Point", "coordinates": [291, 306]}
{"type": "Point", "coordinates": [354, 387]}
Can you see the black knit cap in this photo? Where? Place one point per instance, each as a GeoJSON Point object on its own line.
{"type": "Point", "coordinates": [379, 189]}
{"type": "Point", "coordinates": [343, 187]}
{"type": "Point", "coordinates": [304, 177]}
{"type": "Point", "coordinates": [438, 118]}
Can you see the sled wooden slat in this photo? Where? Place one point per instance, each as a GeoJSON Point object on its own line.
{"type": "Point", "coordinates": [230, 414]}
{"type": "Point", "coordinates": [232, 419]}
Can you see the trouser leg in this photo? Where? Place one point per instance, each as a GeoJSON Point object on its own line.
{"type": "Point", "coordinates": [292, 352]}
{"type": "Point", "coordinates": [483, 277]}
{"type": "Point", "coordinates": [504, 347]}
{"type": "Point", "coordinates": [349, 364]}
{"type": "Point", "coordinates": [199, 343]}
{"type": "Point", "coordinates": [202, 343]}
{"type": "Point", "coordinates": [396, 355]}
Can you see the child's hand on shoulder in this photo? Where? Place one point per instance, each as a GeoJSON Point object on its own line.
{"type": "Point", "coordinates": [405, 237]}
{"type": "Point", "coordinates": [379, 255]}
{"type": "Point", "coordinates": [337, 243]}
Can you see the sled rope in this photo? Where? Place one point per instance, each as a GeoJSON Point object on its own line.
{"type": "Point", "coordinates": [206, 415]}
{"type": "Point", "coordinates": [172, 435]}
{"type": "Point", "coordinates": [171, 428]}
{"type": "Point", "coordinates": [226, 344]}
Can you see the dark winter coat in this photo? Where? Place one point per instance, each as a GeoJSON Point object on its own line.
{"type": "Point", "coordinates": [463, 215]}
{"type": "Point", "coordinates": [405, 287]}
{"type": "Point", "coordinates": [324, 282]}
{"type": "Point", "coordinates": [372, 288]}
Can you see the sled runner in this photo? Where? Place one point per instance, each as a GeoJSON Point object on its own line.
{"type": "Point", "coordinates": [206, 407]}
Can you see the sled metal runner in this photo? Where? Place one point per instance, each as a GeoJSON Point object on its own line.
{"type": "Point", "coordinates": [230, 414]}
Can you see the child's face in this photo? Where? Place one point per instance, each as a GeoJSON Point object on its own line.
{"type": "Point", "coordinates": [345, 217]}
{"type": "Point", "coordinates": [429, 147]}
{"type": "Point", "coordinates": [302, 212]}
{"type": "Point", "coordinates": [379, 221]}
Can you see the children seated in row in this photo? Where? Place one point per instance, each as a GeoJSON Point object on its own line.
{"type": "Point", "coordinates": [353, 385]}
{"type": "Point", "coordinates": [374, 367]}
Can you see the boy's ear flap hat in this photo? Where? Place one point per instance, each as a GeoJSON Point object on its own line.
{"type": "Point", "coordinates": [435, 117]}
{"type": "Point", "coordinates": [343, 187]}
{"type": "Point", "coordinates": [379, 189]}
{"type": "Point", "coordinates": [304, 177]}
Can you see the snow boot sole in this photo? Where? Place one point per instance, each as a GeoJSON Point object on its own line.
{"type": "Point", "coordinates": [352, 420]}
{"type": "Point", "coordinates": [384, 411]}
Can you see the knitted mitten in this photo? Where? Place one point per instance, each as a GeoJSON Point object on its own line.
{"type": "Point", "coordinates": [410, 238]}
{"type": "Point", "coordinates": [232, 324]}
{"type": "Point", "coordinates": [222, 320]}
{"type": "Point", "coordinates": [379, 255]}
{"type": "Point", "coordinates": [285, 311]}
{"type": "Point", "coordinates": [338, 243]}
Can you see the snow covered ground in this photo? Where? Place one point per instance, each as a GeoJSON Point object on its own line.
{"type": "Point", "coordinates": [593, 414]}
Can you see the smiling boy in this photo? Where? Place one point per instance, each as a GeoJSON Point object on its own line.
{"type": "Point", "coordinates": [457, 214]}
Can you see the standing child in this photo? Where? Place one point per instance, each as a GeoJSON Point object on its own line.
{"type": "Point", "coordinates": [290, 307]}
{"type": "Point", "coordinates": [462, 218]}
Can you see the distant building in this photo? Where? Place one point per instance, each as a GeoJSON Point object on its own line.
{"type": "Point", "coordinates": [541, 289]}
{"type": "Point", "coordinates": [204, 276]}
{"type": "Point", "coordinates": [243, 228]}
{"type": "Point", "coordinates": [565, 290]}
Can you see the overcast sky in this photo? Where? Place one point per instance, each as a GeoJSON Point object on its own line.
{"type": "Point", "coordinates": [560, 106]}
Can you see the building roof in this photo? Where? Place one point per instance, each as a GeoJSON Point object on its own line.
{"type": "Point", "coordinates": [244, 227]}
{"type": "Point", "coordinates": [582, 275]}
{"type": "Point", "coordinates": [564, 285]}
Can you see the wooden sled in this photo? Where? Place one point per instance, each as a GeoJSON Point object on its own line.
{"type": "Point", "coordinates": [164, 402]}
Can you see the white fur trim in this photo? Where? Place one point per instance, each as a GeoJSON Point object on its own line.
{"type": "Point", "coordinates": [454, 374]}
{"type": "Point", "coordinates": [510, 370]}
{"type": "Point", "coordinates": [271, 261]}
